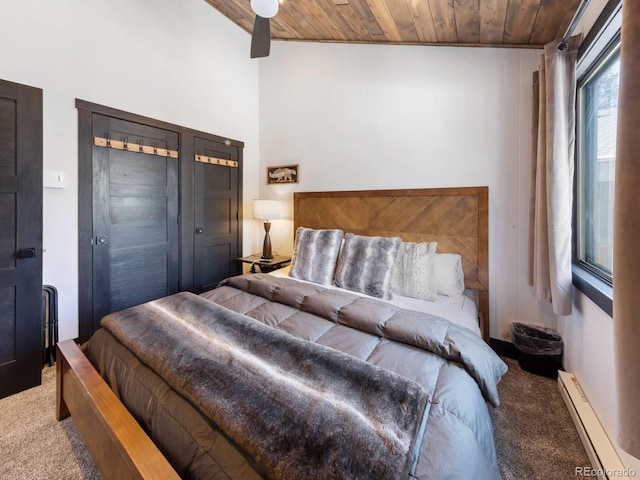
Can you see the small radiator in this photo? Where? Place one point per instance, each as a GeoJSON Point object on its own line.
{"type": "Point", "coordinates": [49, 324]}
{"type": "Point", "coordinates": [605, 462]}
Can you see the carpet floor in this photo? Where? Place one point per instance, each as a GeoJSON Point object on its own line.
{"type": "Point", "coordinates": [534, 433]}
{"type": "Point", "coordinates": [33, 444]}
{"type": "Point", "coordinates": [535, 436]}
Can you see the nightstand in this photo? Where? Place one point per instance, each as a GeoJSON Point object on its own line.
{"type": "Point", "coordinates": [266, 266]}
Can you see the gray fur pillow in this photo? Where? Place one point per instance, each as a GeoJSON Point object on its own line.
{"type": "Point", "coordinates": [315, 255]}
{"type": "Point", "coordinates": [366, 264]}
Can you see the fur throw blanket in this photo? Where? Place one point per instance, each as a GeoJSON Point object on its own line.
{"type": "Point", "coordinates": [299, 409]}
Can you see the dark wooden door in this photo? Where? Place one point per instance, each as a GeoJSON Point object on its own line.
{"type": "Point", "coordinates": [216, 207]}
{"type": "Point", "coordinates": [20, 237]}
{"type": "Point", "coordinates": [135, 217]}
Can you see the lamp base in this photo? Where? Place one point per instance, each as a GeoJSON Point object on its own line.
{"type": "Point", "coordinates": [266, 246]}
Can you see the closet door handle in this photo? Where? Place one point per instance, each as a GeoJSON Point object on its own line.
{"type": "Point", "coordinates": [27, 253]}
{"type": "Point", "coordinates": [102, 240]}
{"type": "Point", "coordinates": [199, 231]}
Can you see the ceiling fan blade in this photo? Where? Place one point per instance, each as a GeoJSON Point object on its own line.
{"type": "Point", "coordinates": [260, 38]}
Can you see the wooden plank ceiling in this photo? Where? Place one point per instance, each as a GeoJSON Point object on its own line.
{"type": "Point", "coordinates": [513, 23]}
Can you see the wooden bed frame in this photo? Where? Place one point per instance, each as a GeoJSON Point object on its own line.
{"type": "Point", "coordinates": [118, 445]}
{"type": "Point", "coordinates": [457, 218]}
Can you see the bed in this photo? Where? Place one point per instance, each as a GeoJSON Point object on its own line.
{"type": "Point", "coordinates": [422, 383]}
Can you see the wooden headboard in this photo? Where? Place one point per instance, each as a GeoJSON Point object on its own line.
{"type": "Point", "coordinates": [456, 218]}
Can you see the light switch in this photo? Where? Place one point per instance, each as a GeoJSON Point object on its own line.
{"type": "Point", "coordinates": [54, 179]}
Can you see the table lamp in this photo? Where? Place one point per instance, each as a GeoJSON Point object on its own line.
{"type": "Point", "coordinates": [267, 210]}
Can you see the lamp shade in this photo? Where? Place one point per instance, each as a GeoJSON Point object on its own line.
{"type": "Point", "coordinates": [265, 8]}
{"type": "Point", "coordinates": [267, 209]}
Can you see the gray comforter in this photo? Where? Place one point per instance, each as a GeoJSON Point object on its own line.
{"type": "Point", "coordinates": [454, 369]}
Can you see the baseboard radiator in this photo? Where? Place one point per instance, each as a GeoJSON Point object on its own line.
{"type": "Point", "coordinates": [605, 462]}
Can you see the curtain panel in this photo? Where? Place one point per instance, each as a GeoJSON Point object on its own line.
{"type": "Point", "coordinates": [552, 151]}
{"type": "Point", "coordinates": [626, 232]}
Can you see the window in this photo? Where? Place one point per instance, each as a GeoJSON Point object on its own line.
{"type": "Point", "coordinates": [597, 123]}
{"type": "Point", "coordinates": [598, 72]}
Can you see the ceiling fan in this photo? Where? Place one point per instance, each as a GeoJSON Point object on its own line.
{"type": "Point", "coordinates": [261, 36]}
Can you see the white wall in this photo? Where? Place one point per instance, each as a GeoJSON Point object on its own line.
{"type": "Point", "coordinates": [179, 61]}
{"type": "Point", "coordinates": [377, 117]}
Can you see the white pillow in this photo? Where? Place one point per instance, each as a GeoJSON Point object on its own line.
{"type": "Point", "coordinates": [449, 277]}
{"type": "Point", "coordinates": [414, 272]}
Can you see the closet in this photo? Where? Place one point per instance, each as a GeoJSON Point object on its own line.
{"type": "Point", "coordinates": [159, 210]}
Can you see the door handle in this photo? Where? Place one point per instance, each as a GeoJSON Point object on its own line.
{"type": "Point", "coordinates": [27, 253]}
{"type": "Point", "coordinates": [102, 240]}
{"type": "Point", "coordinates": [199, 231]}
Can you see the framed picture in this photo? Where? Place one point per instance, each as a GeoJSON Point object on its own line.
{"type": "Point", "coordinates": [282, 174]}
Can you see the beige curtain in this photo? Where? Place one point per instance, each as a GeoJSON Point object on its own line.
{"type": "Point", "coordinates": [553, 143]}
{"type": "Point", "coordinates": [626, 232]}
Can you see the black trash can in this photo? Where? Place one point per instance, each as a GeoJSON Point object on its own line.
{"type": "Point", "coordinates": [538, 349]}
